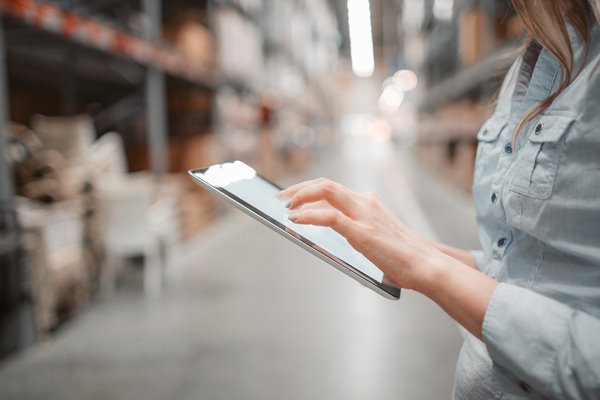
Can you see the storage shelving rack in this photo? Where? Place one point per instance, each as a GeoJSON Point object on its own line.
{"type": "Point", "coordinates": [471, 78]}
{"type": "Point", "coordinates": [452, 80]}
{"type": "Point", "coordinates": [320, 111]}
{"type": "Point", "coordinates": [80, 52]}
{"type": "Point", "coordinates": [74, 45]}
{"type": "Point", "coordinates": [479, 81]}
{"type": "Point", "coordinates": [464, 61]}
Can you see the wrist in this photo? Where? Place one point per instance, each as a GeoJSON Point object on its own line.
{"type": "Point", "coordinates": [435, 267]}
{"type": "Point", "coordinates": [463, 292]}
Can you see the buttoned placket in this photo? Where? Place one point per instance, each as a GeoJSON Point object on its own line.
{"type": "Point", "coordinates": [531, 90]}
{"type": "Point", "coordinates": [504, 236]}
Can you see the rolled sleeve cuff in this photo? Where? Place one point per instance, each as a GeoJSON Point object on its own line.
{"type": "Point", "coordinates": [522, 331]}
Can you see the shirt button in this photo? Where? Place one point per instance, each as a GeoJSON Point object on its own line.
{"type": "Point", "coordinates": [523, 385]}
{"type": "Point", "coordinates": [502, 242]}
{"type": "Point", "coordinates": [494, 197]}
{"type": "Point", "coordinates": [538, 128]}
{"type": "Point", "coordinates": [508, 148]}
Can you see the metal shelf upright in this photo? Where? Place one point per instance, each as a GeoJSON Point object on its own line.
{"type": "Point", "coordinates": [15, 326]}
{"type": "Point", "coordinates": [156, 119]}
{"type": "Point", "coordinates": [93, 39]}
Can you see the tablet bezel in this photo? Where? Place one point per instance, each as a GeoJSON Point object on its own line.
{"type": "Point", "coordinates": [387, 291]}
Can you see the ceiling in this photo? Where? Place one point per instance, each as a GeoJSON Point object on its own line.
{"type": "Point", "coordinates": [384, 16]}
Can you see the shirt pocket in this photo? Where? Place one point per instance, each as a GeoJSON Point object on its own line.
{"type": "Point", "coordinates": [538, 159]}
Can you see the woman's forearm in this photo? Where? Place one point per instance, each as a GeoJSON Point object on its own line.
{"type": "Point", "coordinates": [460, 290]}
{"type": "Point", "coordinates": [461, 255]}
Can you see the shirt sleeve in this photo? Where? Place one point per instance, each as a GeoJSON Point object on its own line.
{"type": "Point", "coordinates": [551, 347]}
{"type": "Point", "coordinates": [477, 257]}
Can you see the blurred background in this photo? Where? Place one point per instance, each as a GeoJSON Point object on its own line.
{"type": "Point", "coordinates": [120, 278]}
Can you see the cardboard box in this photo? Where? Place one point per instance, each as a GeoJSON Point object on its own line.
{"type": "Point", "coordinates": [197, 151]}
{"type": "Point", "coordinates": [191, 38]}
{"type": "Point", "coordinates": [476, 36]}
{"type": "Point", "coordinates": [182, 101]}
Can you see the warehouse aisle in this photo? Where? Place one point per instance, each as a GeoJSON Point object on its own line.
{"type": "Point", "coordinates": [251, 316]}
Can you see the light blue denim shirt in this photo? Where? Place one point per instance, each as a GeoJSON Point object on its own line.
{"type": "Point", "coordinates": [538, 211]}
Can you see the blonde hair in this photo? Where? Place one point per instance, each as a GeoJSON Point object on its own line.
{"type": "Point", "coordinates": [545, 23]}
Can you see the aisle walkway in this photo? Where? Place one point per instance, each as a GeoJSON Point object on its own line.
{"type": "Point", "coordinates": [255, 317]}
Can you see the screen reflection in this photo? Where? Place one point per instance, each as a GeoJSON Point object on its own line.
{"type": "Point", "coordinates": [242, 181]}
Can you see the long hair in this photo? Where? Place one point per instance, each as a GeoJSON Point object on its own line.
{"type": "Point", "coordinates": [545, 23]}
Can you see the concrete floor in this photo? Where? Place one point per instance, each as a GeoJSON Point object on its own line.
{"type": "Point", "coordinates": [252, 316]}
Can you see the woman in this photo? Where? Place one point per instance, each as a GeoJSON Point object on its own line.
{"type": "Point", "coordinates": [531, 298]}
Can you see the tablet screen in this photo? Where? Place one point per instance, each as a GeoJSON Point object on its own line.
{"type": "Point", "coordinates": [240, 183]}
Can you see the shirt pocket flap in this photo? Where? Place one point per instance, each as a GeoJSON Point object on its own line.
{"type": "Point", "coordinates": [490, 131]}
{"type": "Point", "coordinates": [550, 128]}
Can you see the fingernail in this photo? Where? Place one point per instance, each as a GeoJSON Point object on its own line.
{"type": "Point", "coordinates": [288, 204]}
{"type": "Point", "coordinates": [293, 217]}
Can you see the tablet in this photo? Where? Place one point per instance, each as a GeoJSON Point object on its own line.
{"type": "Point", "coordinates": [243, 187]}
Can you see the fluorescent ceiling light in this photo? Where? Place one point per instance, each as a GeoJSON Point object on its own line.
{"type": "Point", "coordinates": [413, 15]}
{"type": "Point", "coordinates": [442, 9]}
{"type": "Point", "coordinates": [361, 38]}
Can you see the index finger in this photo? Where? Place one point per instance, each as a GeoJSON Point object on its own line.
{"type": "Point", "coordinates": [291, 191]}
{"type": "Point", "coordinates": [333, 193]}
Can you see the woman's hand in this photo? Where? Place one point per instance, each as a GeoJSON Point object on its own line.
{"type": "Point", "coordinates": [404, 256]}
